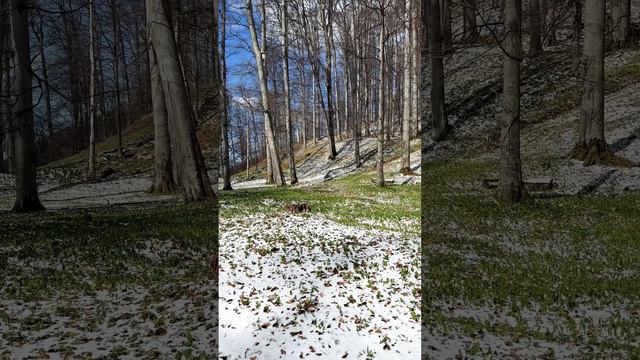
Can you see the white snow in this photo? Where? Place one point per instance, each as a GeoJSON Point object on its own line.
{"type": "Point", "coordinates": [306, 286]}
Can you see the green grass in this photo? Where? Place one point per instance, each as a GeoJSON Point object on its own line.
{"type": "Point", "coordinates": [73, 252]}
{"type": "Point", "coordinates": [143, 161]}
{"type": "Point", "coordinates": [556, 255]}
{"type": "Point", "coordinates": [347, 200]}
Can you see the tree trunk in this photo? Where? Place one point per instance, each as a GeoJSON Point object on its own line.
{"type": "Point", "coordinates": [226, 170]}
{"type": "Point", "coordinates": [193, 175]}
{"type": "Point", "coordinates": [260, 57]}
{"type": "Point", "coordinates": [510, 187]}
{"type": "Point", "coordinates": [287, 92]}
{"type": "Point", "coordinates": [445, 29]}
{"type": "Point", "coordinates": [535, 40]}
{"type": "Point", "coordinates": [46, 93]}
{"type": "Point", "coordinates": [330, 107]}
{"type": "Point", "coordinates": [408, 100]}
{"type": "Point", "coordinates": [27, 198]}
{"type": "Point", "coordinates": [591, 147]}
{"type": "Point", "coordinates": [381, 99]}
{"type": "Point", "coordinates": [470, 26]}
{"type": "Point", "coordinates": [116, 76]}
{"type": "Point", "coordinates": [438, 111]}
{"type": "Point", "coordinates": [576, 35]}
{"type": "Point", "coordinates": [621, 14]}
{"type": "Point", "coordinates": [92, 91]}
{"type": "Point", "coordinates": [163, 171]}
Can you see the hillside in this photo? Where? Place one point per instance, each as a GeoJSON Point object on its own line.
{"type": "Point", "coordinates": [557, 275]}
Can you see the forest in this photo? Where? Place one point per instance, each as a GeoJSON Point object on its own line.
{"type": "Point", "coordinates": [243, 179]}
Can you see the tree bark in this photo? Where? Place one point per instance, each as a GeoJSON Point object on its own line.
{"type": "Point", "coordinates": [226, 169]}
{"type": "Point", "coordinates": [510, 187]}
{"type": "Point", "coordinates": [535, 39]}
{"type": "Point", "coordinates": [407, 86]}
{"type": "Point", "coordinates": [576, 35]}
{"type": "Point", "coordinates": [621, 14]}
{"type": "Point", "coordinates": [272, 147]}
{"type": "Point", "coordinates": [287, 92]}
{"type": "Point", "coordinates": [470, 34]}
{"type": "Point", "coordinates": [381, 98]}
{"type": "Point", "coordinates": [116, 75]}
{"type": "Point", "coordinates": [27, 198]}
{"type": "Point", "coordinates": [591, 147]}
{"type": "Point", "coordinates": [92, 90]}
{"type": "Point", "coordinates": [193, 176]}
{"type": "Point", "coordinates": [163, 168]}
{"type": "Point", "coordinates": [438, 112]}
{"type": "Point", "coordinates": [445, 24]}
{"type": "Point", "coordinates": [330, 106]}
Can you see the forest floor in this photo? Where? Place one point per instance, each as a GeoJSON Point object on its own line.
{"type": "Point", "coordinates": [558, 275]}
{"type": "Point", "coordinates": [109, 271]}
{"type": "Point", "coordinates": [340, 281]}
{"type": "Point", "coordinates": [109, 282]}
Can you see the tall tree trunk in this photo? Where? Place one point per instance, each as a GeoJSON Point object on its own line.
{"type": "Point", "coordinates": [314, 110]}
{"type": "Point", "coordinates": [330, 107]}
{"type": "Point", "coordinates": [381, 98]}
{"type": "Point", "coordinates": [358, 111]}
{"type": "Point", "coordinates": [27, 198]}
{"type": "Point", "coordinates": [163, 170]}
{"type": "Point", "coordinates": [621, 14]}
{"type": "Point", "coordinates": [226, 170]}
{"type": "Point", "coordinates": [438, 112]}
{"type": "Point", "coordinates": [287, 92]}
{"type": "Point", "coordinates": [260, 57]}
{"type": "Point", "coordinates": [510, 187]}
{"type": "Point", "coordinates": [445, 29]}
{"type": "Point", "coordinates": [417, 69]}
{"type": "Point", "coordinates": [4, 77]}
{"type": "Point", "coordinates": [116, 75]}
{"type": "Point", "coordinates": [46, 93]}
{"type": "Point", "coordinates": [92, 90]}
{"type": "Point", "coordinates": [193, 176]}
{"type": "Point", "coordinates": [470, 26]}
{"type": "Point", "coordinates": [406, 89]}
{"type": "Point", "coordinates": [576, 35]}
{"type": "Point", "coordinates": [535, 39]}
{"type": "Point", "coordinates": [592, 146]}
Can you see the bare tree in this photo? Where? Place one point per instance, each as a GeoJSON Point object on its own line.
{"type": "Point", "coordinates": [194, 180]}
{"type": "Point", "coordinates": [260, 57]}
{"type": "Point", "coordinates": [621, 16]}
{"type": "Point", "coordinates": [92, 90]}
{"type": "Point", "coordinates": [226, 171]}
{"type": "Point", "coordinates": [163, 170]}
{"type": "Point", "coordinates": [407, 87]}
{"type": "Point", "coordinates": [510, 187]}
{"type": "Point", "coordinates": [381, 95]}
{"type": "Point", "coordinates": [287, 92]}
{"type": "Point", "coordinates": [535, 39]}
{"type": "Point", "coordinates": [438, 112]}
{"type": "Point", "coordinates": [27, 198]}
{"type": "Point", "coordinates": [591, 146]}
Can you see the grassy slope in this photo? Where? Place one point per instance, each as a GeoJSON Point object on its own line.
{"type": "Point", "coordinates": [138, 138]}
{"type": "Point", "coordinates": [562, 257]}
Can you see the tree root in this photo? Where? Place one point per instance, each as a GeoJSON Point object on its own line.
{"type": "Point", "coordinates": [598, 153]}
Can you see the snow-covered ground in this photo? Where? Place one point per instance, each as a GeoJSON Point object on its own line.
{"type": "Point", "coordinates": [131, 323]}
{"type": "Point", "coordinates": [118, 191]}
{"type": "Point", "coordinates": [304, 286]}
